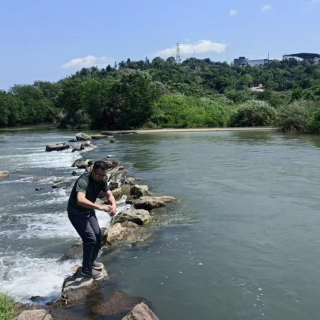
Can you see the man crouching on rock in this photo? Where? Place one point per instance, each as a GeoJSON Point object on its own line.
{"type": "Point", "coordinates": [81, 213]}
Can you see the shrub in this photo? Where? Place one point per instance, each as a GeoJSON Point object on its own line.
{"type": "Point", "coordinates": [177, 111]}
{"type": "Point", "coordinates": [6, 307]}
{"type": "Point", "coordinates": [313, 123]}
{"type": "Point", "coordinates": [295, 116]}
{"type": "Point", "coordinates": [253, 113]}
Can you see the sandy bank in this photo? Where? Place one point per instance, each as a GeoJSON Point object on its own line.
{"type": "Point", "coordinates": [109, 132]}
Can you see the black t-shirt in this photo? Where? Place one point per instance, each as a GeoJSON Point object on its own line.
{"type": "Point", "coordinates": [90, 188]}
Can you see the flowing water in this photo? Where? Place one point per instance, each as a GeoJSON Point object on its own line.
{"type": "Point", "coordinates": [242, 242]}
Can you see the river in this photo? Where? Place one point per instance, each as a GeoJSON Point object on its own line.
{"type": "Point", "coordinates": [242, 242]}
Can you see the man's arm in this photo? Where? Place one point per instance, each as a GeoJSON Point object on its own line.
{"type": "Point", "coordinates": [112, 200]}
{"type": "Point", "coordinates": [84, 202]}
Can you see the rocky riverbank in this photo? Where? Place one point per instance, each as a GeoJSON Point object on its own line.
{"type": "Point", "coordinates": [130, 226]}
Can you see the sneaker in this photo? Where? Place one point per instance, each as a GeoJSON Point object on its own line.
{"type": "Point", "coordinates": [94, 274]}
{"type": "Point", "coordinates": [97, 266]}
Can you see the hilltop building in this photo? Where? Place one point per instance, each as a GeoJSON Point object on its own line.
{"type": "Point", "coordinates": [243, 61]}
{"type": "Point", "coordinates": [302, 56]}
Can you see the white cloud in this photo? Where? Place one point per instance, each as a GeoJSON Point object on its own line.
{"type": "Point", "coordinates": [198, 47]}
{"type": "Point", "coordinates": [266, 8]}
{"type": "Point", "coordinates": [233, 12]}
{"type": "Point", "coordinates": [87, 62]}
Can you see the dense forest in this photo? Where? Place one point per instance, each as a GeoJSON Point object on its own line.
{"type": "Point", "coordinates": [164, 94]}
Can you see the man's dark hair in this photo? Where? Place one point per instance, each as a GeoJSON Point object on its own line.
{"type": "Point", "coordinates": [100, 165]}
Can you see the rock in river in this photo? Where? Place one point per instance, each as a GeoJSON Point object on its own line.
{"type": "Point", "coordinates": [138, 191]}
{"type": "Point", "coordinates": [4, 174]}
{"type": "Point", "coordinates": [149, 203]}
{"type": "Point", "coordinates": [141, 312]}
{"type": "Point", "coordinates": [115, 304]}
{"type": "Point", "coordinates": [57, 147]}
{"type": "Point", "coordinates": [34, 315]}
{"type": "Point", "coordinates": [99, 136]}
{"type": "Point", "coordinates": [77, 280]}
{"type": "Point", "coordinates": [82, 136]}
{"type": "Point", "coordinates": [139, 217]}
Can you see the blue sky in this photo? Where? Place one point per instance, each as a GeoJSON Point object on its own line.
{"type": "Point", "coordinates": [47, 40]}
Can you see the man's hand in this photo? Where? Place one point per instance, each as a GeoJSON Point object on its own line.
{"type": "Point", "coordinates": [105, 208]}
{"type": "Point", "coordinates": [112, 210]}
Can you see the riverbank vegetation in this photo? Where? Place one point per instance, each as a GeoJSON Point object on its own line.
{"type": "Point", "coordinates": [163, 94]}
{"type": "Point", "coordinates": [6, 307]}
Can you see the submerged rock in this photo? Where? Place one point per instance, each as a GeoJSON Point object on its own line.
{"type": "Point", "coordinates": [34, 315]}
{"type": "Point", "coordinates": [116, 303]}
{"type": "Point", "coordinates": [57, 147]}
{"type": "Point", "coordinates": [62, 185]}
{"type": "Point", "coordinates": [141, 312]}
{"type": "Point", "coordinates": [82, 137]}
{"type": "Point", "coordinates": [4, 174]}
{"type": "Point", "coordinates": [112, 140]}
{"type": "Point", "coordinates": [98, 136]}
{"type": "Point", "coordinates": [149, 203]}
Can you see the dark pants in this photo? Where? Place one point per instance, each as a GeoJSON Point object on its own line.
{"type": "Point", "coordinates": [88, 229]}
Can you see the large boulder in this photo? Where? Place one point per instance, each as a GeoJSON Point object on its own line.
{"type": "Point", "coordinates": [4, 174]}
{"type": "Point", "coordinates": [82, 136]}
{"type": "Point", "coordinates": [57, 147]}
{"type": "Point", "coordinates": [117, 303]}
{"type": "Point", "coordinates": [141, 312]}
{"type": "Point", "coordinates": [118, 234]}
{"type": "Point", "coordinates": [139, 217]}
{"type": "Point", "coordinates": [138, 191]}
{"type": "Point", "coordinates": [34, 315]}
{"type": "Point", "coordinates": [78, 281]}
{"type": "Point", "coordinates": [149, 203]}
{"type": "Point", "coordinates": [124, 233]}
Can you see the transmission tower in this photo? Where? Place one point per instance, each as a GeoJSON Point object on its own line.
{"type": "Point", "coordinates": [178, 57]}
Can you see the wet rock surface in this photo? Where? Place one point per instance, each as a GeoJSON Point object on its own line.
{"type": "Point", "coordinates": [117, 303]}
{"type": "Point", "coordinates": [138, 191]}
{"type": "Point", "coordinates": [78, 281]}
{"type": "Point", "coordinates": [73, 253]}
{"type": "Point", "coordinates": [34, 315]}
{"type": "Point", "coordinates": [139, 217]}
{"type": "Point", "coordinates": [141, 312]}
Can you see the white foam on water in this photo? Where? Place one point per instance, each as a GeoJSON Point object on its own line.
{"type": "Point", "coordinates": [42, 159]}
{"type": "Point", "coordinates": [23, 277]}
{"type": "Point", "coordinates": [52, 225]}
{"type": "Point", "coordinates": [22, 180]}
